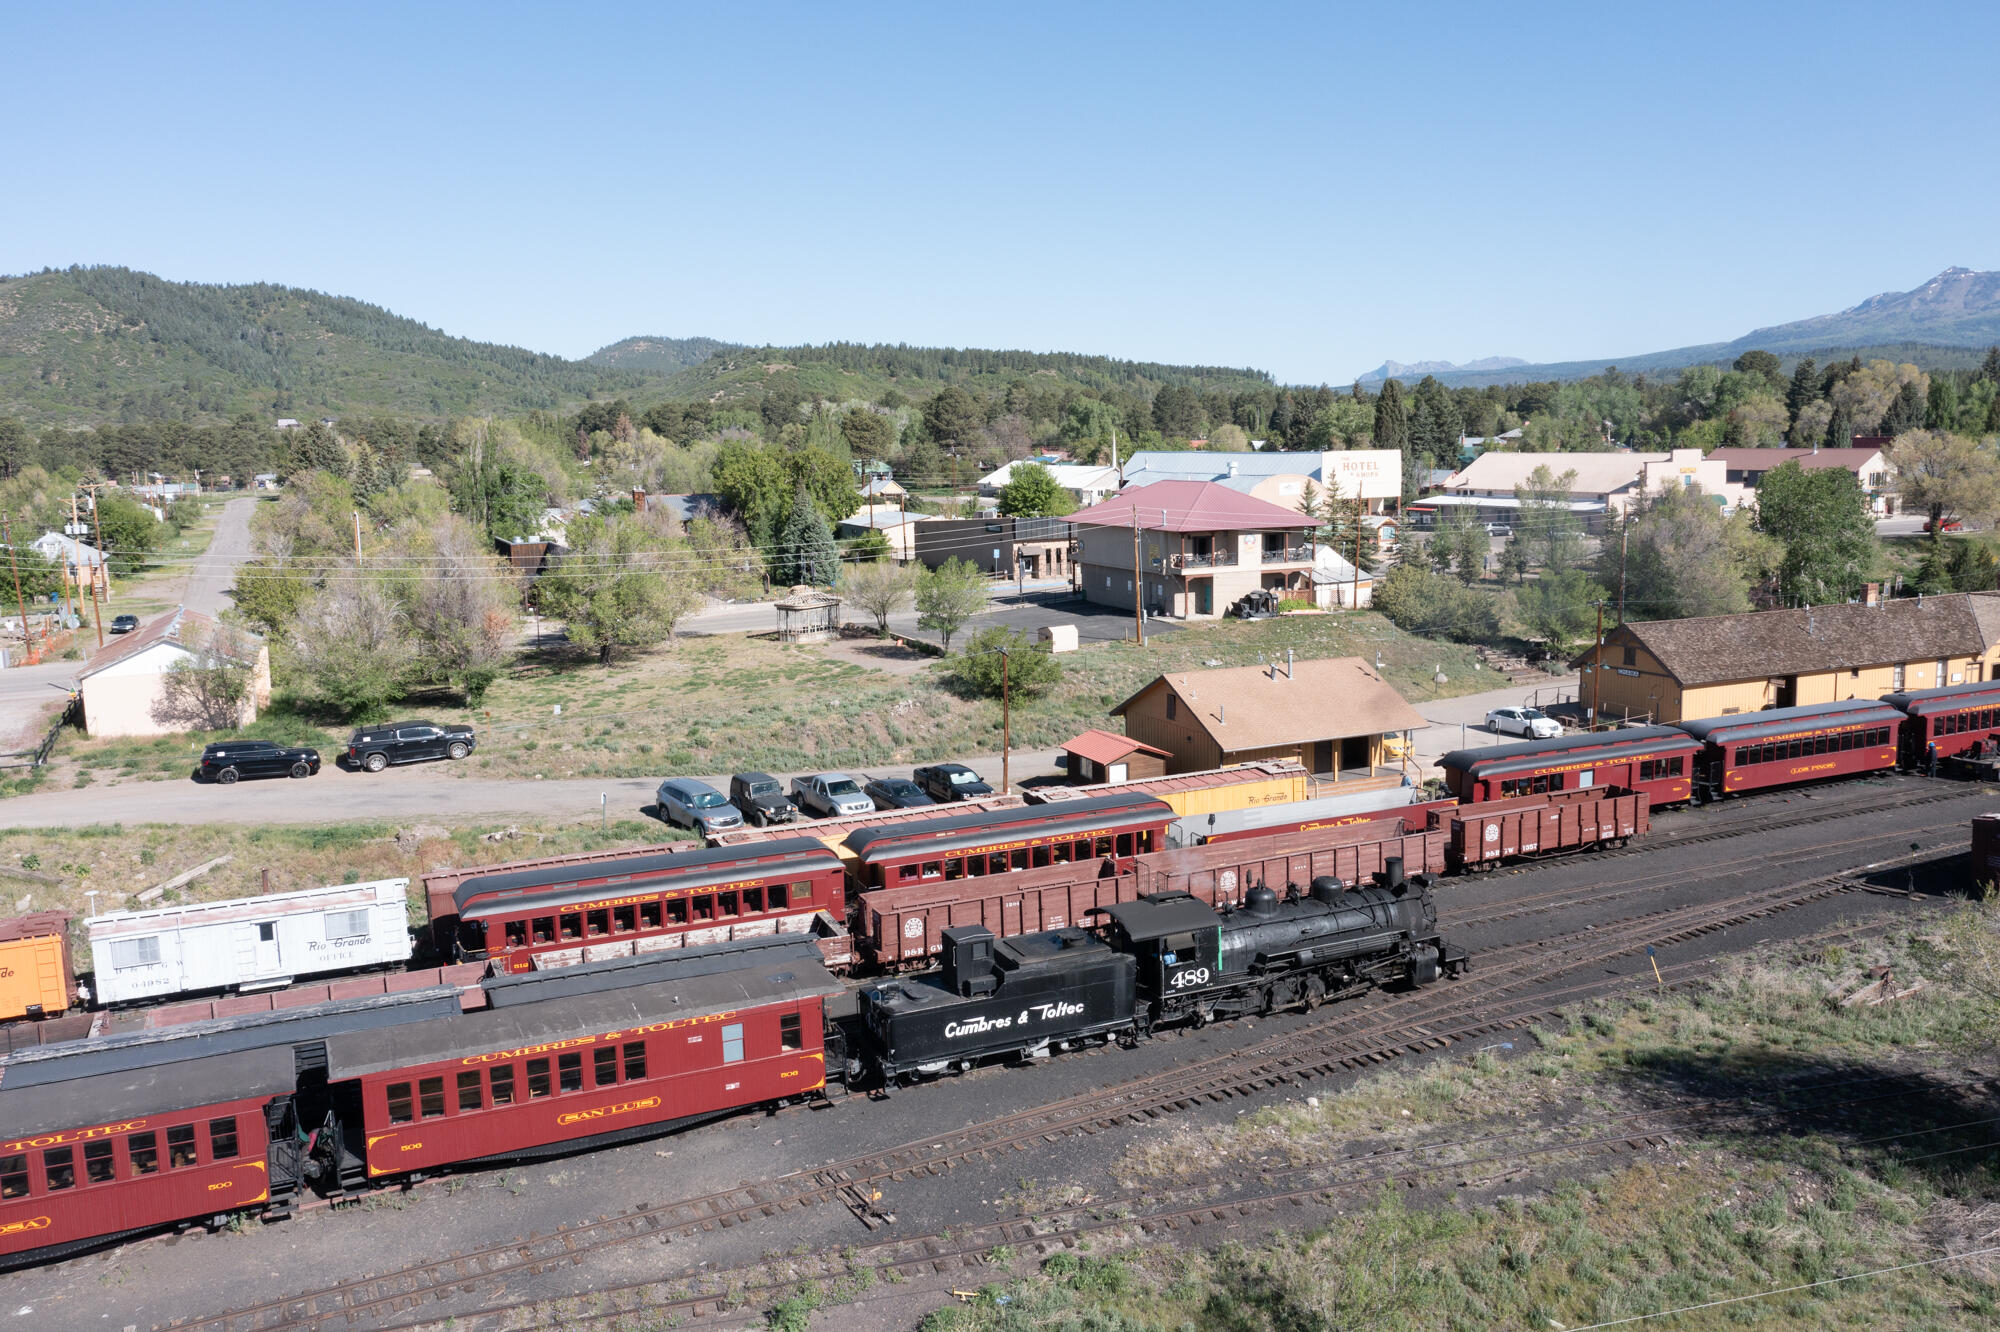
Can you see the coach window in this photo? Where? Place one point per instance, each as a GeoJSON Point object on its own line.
{"type": "Point", "coordinates": [1124, 844]}
{"type": "Point", "coordinates": [430, 1097]}
{"type": "Point", "coordinates": [468, 1091]}
{"type": "Point", "coordinates": [649, 915]}
{"type": "Point", "coordinates": [517, 934]}
{"type": "Point", "coordinates": [572, 924]}
{"type": "Point", "coordinates": [222, 1138]}
{"type": "Point", "coordinates": [753, 901]}
{"type": "Point", "coordinates": [545, 929]}
{"type": "Point", "coordinates": [600, 922]}
{"type": "Point", "coordinates": [604, 1066]}
{"type": "Point", "coordinates": [933, 869]}
{"type": "Point", "coordinates": [726, 904]}
{"type": "Point", "coordinates": [624, 919]}
{"type": "Point", "coordinates": [1146, 839]}
{"type": "Point", "coordinates": [1059, 852]}
{"type": "Point", "coordinates": [538, 1079]}
{"type": "Point", "coordinates": [677, 911]}
{"type": "Point", "coordinates": [955, 868]}
{"type": "Point", "coordinates": [145, 1153]}
{"type": "Point", "coordinates": [1041, 856]}
{"type": "Point", "coordinates": [501, 1079]}
{"type": "Point", "coordinates": [180, 1146]}
{"type": "Point", "coordinates": [569, 1067]}
{"type": "Point", "coordinates": [14, 1176]}
{"type": "Point", "coordinates": [791, 1032]}
{"type": "Point", "coordinates": [1018, 860]}
{"type": "Point", "coordinates": [732, 1043]}
{"type": "Point", "coordinates": [59, 1169]}
{"type": "Point", "coordinates": [782, 896]}
{"type": "Point", "coordinates": [98, 1167]}
{"type": "Point", "coordinates": [635, 1061]}
{"type": "Point", "coordinates": [401, 1108]}
{"type": "Point", "coordinates": [703, 906]}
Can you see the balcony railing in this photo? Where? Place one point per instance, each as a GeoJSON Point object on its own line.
{"type": "Point", "coordinates": [1288, 555]}
{"type": "Point", "coordinates": [1215, 559]}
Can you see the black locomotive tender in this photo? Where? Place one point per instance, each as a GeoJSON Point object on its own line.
{"type": "Point", "coordinates": [1161, 960]}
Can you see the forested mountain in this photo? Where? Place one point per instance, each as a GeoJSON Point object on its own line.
{"type": "Point", "coordinates": [658, 355]}
{"type": "Point", "coordinates": [94, 345]}
{"type": "Point", "coordinates": [1945, 324]}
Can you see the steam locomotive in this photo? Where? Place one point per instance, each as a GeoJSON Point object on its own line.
{"type": "Point", "coordinates": [1162, 960]}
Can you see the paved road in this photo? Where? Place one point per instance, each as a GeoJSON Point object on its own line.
{"type": "Point", "coordinates": [212, 575]}
{"type": "Point", "coordinates": [760, 617]}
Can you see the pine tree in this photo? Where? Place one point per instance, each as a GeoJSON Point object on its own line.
{"type": "Point", "coordinates": [1941, 407]}
{"type": "Point", "coordinates": [1392, 419]}
{"type": "Point", "coordinates": [1990, 367]}
{"type": "Point", "coordinates": [1905, 413]}
{"type": "Point", "coordinates": [1840, 430]}
{"type": "Point", "coordinates": [806, 553]}
{"type": "Point", "coordinates": [1804, 390]}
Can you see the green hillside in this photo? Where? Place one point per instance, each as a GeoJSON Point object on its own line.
{"type": "Point", "coordinates": [660, 356]}
{"type": "Point", "coordinates": [91, 345]}
{"type": "Point", "coordinates": [842, 371]}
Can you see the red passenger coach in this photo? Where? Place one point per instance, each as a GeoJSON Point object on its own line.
{"type": "Point", "coordinates": [542, 916]}
{"type": "Point", "coordinates": [591, 1056]}
{"type": "Point", "coordinates": [1002, 841]}
{"type": "Point", "coordinates": [1658, 760]}
{"type": "Point", "coordinates": [1959, 719]}
{"type": "Point", "coordinates": [1792, 746]}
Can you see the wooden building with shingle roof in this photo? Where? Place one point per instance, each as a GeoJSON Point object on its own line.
{"type": "Point", "coordinates": [1717, 665]}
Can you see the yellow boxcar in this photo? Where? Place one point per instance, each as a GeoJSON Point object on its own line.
{"type": "Point", "coordinates": [34, 971]}
{"type": "Point", "coordinates": [1214, 791]}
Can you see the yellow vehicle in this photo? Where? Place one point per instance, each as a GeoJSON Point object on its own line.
{"type": "Point", "coordinates": [35, 975]}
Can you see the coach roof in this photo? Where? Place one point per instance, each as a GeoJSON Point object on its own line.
{"type": "Point", "coordinates": [1787, 721]}
{"type": "Point", "coordinates": [1632, 740]}
{"type": "Point", "coordinates": [561, 878]}
{"type": "Point", "coordinates": [1922, 701]}
{"type": "Point", "coordinates": [968, 827]}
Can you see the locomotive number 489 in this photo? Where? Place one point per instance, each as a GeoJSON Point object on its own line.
{"type": "Point", "coordinates": [1190, 977]}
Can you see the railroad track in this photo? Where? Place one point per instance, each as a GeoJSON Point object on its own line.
{"type": "Point", "coordinates": [1219, 1197]}
{"type": "Point", "coordinates": [1536, 904]}
{"type": "Point", "coordinates": [1342, 1037]}
{"type": "Point", "coordinates": [1804, 819]}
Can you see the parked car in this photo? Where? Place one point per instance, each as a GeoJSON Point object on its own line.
{"type": "Point", "coordinates": [692, 804]}
{"type": "Point", "coordinates": [376, 747]}
{"type": "Point", "coordinates": [1947, 525]}
{"type": "Point", "coordinates": [1499, 530]}
{"type": "Point", "coordinates": [761, 797]}
{"type": "Point", "coordinates": [946, 782]}
{"type": "Point", "coordinates": [896, 793]}
{"type": "Point", "coordinates": [228, 760]}
{"type": "Point", "coordinates": [830, 793]}
{"type": "Point", "coordinates": [1531, 722]}
{"type": "Point", "coordinates": [124, 624]}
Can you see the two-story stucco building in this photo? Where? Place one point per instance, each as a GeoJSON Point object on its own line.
{"type": "Point", "coordinates": [1190, 549]}
{"type": "Point", "coordinates": [1718, 665]}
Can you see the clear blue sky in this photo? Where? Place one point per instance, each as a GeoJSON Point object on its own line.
{"type": "Point", "coordinates": [1300, 189]}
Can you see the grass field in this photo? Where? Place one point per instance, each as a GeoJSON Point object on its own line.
{"type": "Point", "coordinates": [1741, 1210]}
{"type": "Point", "coordinates": [723, 704]}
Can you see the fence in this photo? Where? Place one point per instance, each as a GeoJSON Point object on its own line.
{"type": "Point", "coordinates": [39, 755]}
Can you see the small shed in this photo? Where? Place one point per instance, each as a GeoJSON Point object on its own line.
{"type": "Point", "coordinates": [808, 615]}
{"type": "Point", "coordinates": [1059, 637]}
{"type": "Point", "coordinates": [1100, 756]}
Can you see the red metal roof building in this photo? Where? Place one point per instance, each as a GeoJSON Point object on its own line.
{"type": "Point", "coordinates": [1192, 547]}
{"type": "Point", "coordinates": [1100, 756]}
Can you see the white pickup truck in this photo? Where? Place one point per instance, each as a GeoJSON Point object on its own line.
{"type": "Point", "coordinates": [828, 794]}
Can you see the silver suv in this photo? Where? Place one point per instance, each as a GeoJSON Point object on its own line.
{"type": "Point", "coordinates": [697, 805]}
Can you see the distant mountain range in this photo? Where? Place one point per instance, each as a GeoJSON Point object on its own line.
{"type": "Point", "coordinates": [1939, 323]}
{"type": "Point", "coordinates": [1418, 369]}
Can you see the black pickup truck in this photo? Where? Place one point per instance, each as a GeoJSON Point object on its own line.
{"type": "Point", "coordinates": [376, 747]}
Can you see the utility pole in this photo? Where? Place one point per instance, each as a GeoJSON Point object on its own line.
{"type": "Point", "coordinates": [1138, 583]}
{"type": "Point", "coordinates": [357, 536]}
{"type": "Point", "coordinates": [6, 529]}
{"type": "Point", "coordinates": [1006, 723]}
{"type": "Point", "coordinates": [1624, 542]}
{"type": "Point", "coordinates": [1359, 528]}
{"type": "Point", "coordinates": [97, 530]}
{"type": "Point", "coordinates": [1597, 671]}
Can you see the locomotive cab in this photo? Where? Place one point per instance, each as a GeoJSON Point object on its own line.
{"type": "Point", "coordinates": [1176, 938]}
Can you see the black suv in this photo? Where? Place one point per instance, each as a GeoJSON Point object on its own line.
{"type": "Point", "coordinates": [761, 797]}
{"type": "Point", "coordinates": [376, 747]}
{"type": "Point", "coordinates": [228, 760]}
{"type": "Point", "coordinates": [946, 782]}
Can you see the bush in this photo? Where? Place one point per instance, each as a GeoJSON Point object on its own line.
{"type": "Point", "coordinates": [1030, 668]}
{"type": "Point", "coordinates": [1419, 601]}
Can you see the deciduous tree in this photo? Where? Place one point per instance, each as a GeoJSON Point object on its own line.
{"type": "Point", "coordinates": [1561, 608]}
{"type": "Point", "coordinates": [1030, 668]}
{"type": "Point", "coordinates": [1946, 475]}
{"type": "Point", "coordinates": [1822, 518]}
{"type": "Point", "coordinates": [948, 596]}
{"type": "Point", "coordinates": [881, 590]}
{"type": "Point", "coordinates": [1032, 492]}
{"type": "Point", "coordinates": [619, 586]}
{"type": "Point", "coordinates": [1677, 559]}
{"type": "Point", "coordinates": [205, 691]}
{"type": "Point", "coordinates": [349, 650]}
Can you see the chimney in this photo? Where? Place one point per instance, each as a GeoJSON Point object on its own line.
{"type": "Point", "coordinates": [1232, 467]}
{"type": "Point", "coordinates": [1222, 714]}
{"type": "Point", "coordinates": [1809, 619]}
{"type": "Point", "coordinates": [639, 498]}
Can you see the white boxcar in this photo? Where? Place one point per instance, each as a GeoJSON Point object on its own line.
{"type": "Point", "coordinates": [249, 943]}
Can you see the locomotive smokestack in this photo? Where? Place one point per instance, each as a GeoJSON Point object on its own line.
{"type": "Point", "coordinates": [1392, 873]}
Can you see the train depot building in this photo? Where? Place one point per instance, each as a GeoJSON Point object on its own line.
{"type": "Point", "coordinates": [1720, 665]}
{"type": "Point", "coordinates": [1334, 716]}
